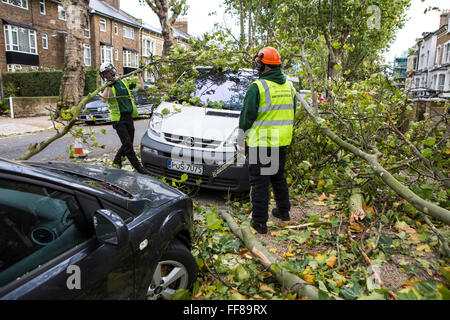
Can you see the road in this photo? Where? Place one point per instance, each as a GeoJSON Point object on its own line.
{"type": "Point", "coordinates": [12, 147]}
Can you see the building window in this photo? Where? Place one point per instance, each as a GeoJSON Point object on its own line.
{"type": "Point", "coordinates": [87, 31]}
{"type": "Point", "coordinates": [116, 54]}
{"type": "Point", "coordinates": [128, 32]}
{"type": "Point", "coordinates": [434, 82]}
{"type": "Point", "coordinates": [103, 25]}
{"type": "Point", "coordinates": [105, 54]}
{"type": "Point", "coordinates": [130, 59]}
{"type": "Point", "coordinates": [87, 55]}
{"type": "Point", "coordinates": [42, 7]}
{"type": "Point", "coordinates": [447, 52]}
{"type": "Point", "coordinates": [148, 47]}
{"type": "Point", "coordinates": [438, 56]}
{"type": "Point", "coordinates": [417, 82]}
{"type": "Point", "coordinates": [17, 3]}
{"type": "Point", "coordinates": [44, 41]}
{"type": "Point", "coordinates": [61, 13]}
{"type": "Point", "coordinates": [116, 29]}
{"type": "Point", "coordinates": [441, 82]}
{"type": "Point", "coordinates": [20, 39]}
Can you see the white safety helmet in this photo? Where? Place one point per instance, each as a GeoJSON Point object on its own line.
{"type": "Point", "coordinates": [105, 67]}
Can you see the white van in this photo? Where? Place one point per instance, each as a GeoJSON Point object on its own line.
{"type": "Point", "coordinates": [197, 140]}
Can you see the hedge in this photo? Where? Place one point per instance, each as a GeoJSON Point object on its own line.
{"type": "Point", "coordinates": [41, 83]}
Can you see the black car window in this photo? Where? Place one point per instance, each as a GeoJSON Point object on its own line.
{"type": "Point", "coordinates": [36, 225]}
{"type": "Point", "coordinates": [226, 88]}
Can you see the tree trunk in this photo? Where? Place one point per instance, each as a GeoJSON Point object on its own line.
{"type": "Point", "coordinates": [336, 60]}
{"type": "Point", "coordinates": [167, 31]}
{"type": "Point", "coordinates": [288, 280]}
{"type": "Point", "coordinates": [250, 23]}
{"type": "Point", "coordinates": [241, 22]}
{"type": "Point", "coordinates": [161, 9]}
{"type": "Point", "coordinates": [73, 78]}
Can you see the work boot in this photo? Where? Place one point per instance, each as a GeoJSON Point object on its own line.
{"type": "Point", "coordinates": [277, 214]}
{"type": "Point", "coordinates": [259, 227]}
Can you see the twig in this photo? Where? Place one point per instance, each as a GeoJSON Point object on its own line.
{"type": "Point", "coordinates": [439, 235]}
{"type": "Point", "coordinates": [311, 224]}
{"type": "Point", "coordinates": [337, 241]}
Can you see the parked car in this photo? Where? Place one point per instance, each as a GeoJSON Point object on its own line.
{"type": "Point", "coordinates": [96, 111]}
{"type": "Point", "coordinates": [70, 231]}
{"type": "Point", "coordinates": [204, 135]}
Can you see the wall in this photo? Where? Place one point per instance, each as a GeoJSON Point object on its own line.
{"type": "Point", "coordinates": [33, 106]}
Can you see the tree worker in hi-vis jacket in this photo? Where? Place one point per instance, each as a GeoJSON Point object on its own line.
{"type": "Point", "coordinates": [266, 122]}
{"type": "Point", "coordinates": [122, 111]}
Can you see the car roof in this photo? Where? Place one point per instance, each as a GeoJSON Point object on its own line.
{"type": "Point", "coordinates": [22, 169]}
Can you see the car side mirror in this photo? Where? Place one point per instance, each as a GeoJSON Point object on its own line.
{"type": "Point", "coordinates": [110, 228]}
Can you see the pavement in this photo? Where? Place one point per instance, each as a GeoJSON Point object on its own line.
{"type": "Point", "coordinates": [10, 126]}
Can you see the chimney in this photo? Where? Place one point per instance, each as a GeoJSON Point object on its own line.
{"type": "Point", "coordinates": [444, 18]}
{"type": "Point", "coordinates": [113, 3]}
{"type": "Point", "coordinates": [181, 24]}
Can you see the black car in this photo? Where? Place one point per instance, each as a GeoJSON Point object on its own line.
{"type": "Point", "coordinates": [70, 231]}
{"type": "Point", "coordinates": [96, 111]}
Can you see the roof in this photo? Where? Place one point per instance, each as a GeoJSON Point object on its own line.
{"type": "Point", "coordinates": [104, 9]}
{"type": "Point", "coordinates": [176, 33]}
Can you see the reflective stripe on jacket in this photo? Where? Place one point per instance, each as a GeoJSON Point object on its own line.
{"type": "Point", "coordinates": [113, 104]}
{"type": "Point", "coordinates": [274, 124]}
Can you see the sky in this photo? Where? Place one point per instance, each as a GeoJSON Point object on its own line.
{"type": "Point", "coordinates": [200, 20]}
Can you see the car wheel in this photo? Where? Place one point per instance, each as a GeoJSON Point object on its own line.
{"type": "Point", "coordinates": [177, 269]}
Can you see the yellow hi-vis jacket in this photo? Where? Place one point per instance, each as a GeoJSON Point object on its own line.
{"type": "Point", "coordinates": [113, 104]}
{"type": "Point", "coordinates": [274, 124]}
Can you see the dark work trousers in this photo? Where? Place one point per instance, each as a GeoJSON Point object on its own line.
{"type": "Point", "coordinates": [125, 130]}
{"type": "Point", "coordinates": [260, 182]}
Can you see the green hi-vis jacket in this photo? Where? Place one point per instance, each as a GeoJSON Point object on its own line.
{"type": "Point", "coordinates": [274, 123]}
{"type": "Point", "coordinates": [113, 104]}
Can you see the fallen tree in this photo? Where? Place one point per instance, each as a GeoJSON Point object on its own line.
{"type": "Point", "coordinates": [420, 204]}
{"type": "Point", "coordinates": [288, 280]}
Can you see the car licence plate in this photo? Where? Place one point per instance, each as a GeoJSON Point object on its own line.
{"type": "Point", "coordinates": [185, 167]}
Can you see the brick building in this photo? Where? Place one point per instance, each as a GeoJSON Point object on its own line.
{"type": "Point", "coordinates": [34, 32]}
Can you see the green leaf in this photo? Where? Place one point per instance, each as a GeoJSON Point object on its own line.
{"type": "Point", "coordinates": [446, 274]}
{"type": "Point", "coordinates": [302, 237]}
{"type": "Point", "coordinates": [182, 294]}
{"type": "Point", "coordinates": [373, 296]}
{"type": "Point", "coordinates": [212, 221]}
{"type": "Point", "coordinates": [427, 152]}
{"type": "Point", "coordinates": [445, 293]}
{"type": "Point", "coordinates": [410, 295]}
{"type": "Point", "coordinates": [241, 273]}
{"type": "Point", "coordinates": [430, 141]}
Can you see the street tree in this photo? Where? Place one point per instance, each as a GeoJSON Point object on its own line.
{"type": "Point", "coordinates": [73, 77]}
{"type": "Point", "coordinates": [167, 11]}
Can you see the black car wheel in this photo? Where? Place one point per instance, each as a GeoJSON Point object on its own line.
{"type": "Point", "coordinates": [177, 269]}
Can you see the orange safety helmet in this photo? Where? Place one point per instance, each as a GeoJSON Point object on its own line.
{"type": "Point", "coordinates": [269, 55]}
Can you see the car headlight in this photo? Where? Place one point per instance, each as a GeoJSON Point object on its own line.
{"type": "Point", "coordinates": [103, 109]}
{"type": "Point", "coordinates": [155, 124]}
